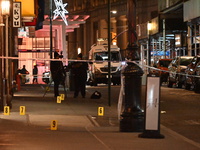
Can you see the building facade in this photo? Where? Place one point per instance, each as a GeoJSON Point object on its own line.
{"type": "Point", "coordinates": [96, 26]}
{"type": "Point", "coordinates": [193, 22]}
{"type": "Point", "coordinates": [174, 28]}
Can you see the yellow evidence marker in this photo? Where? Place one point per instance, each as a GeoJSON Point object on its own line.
{"type": "Point", "coordinates": [6, 110]}
{"type": "Point", "coordinates": [48, 88]}
{"type": "Point", "coordinates": [22, 110]}
{"type": "Point", "coordinates": [62, 96]}
{"type": "Point", "coordinates": [58, 99]}
{"type": "Point", "coordinates": [54, 125]}
{"type": "Point", "coordinates": [100, 111]}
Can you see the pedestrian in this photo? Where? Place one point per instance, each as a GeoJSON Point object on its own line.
{"type": "Point", "coordinates": [58, 73]}
{"type": "Point", "coordinates": [35, 73]}
{"type": "Point", "coordinates": [24, 72]}
{"type": "Point", "coordinates": [79, 71]}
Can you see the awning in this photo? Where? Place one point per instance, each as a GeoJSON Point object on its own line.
{"type": "Point", "coordinates": [74, 21]}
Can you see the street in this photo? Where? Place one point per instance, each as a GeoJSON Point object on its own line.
{"type": "Point", "coordinates": [80, 126]}
{"type": "Point", "coordinates": [182, 112]}
{"type": "Point", "coordinates": [179, 109]}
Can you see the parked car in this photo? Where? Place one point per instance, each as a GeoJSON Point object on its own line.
{"type": "Point", "coordinates": [192, 71]}
{"type": "Point", "coordinates": [197, 79]}
{"type": "Point", "coordinates": [177, 71]}
{"type": "Point", "coordinates": [162, 65]}
{"type": "Point", "coordinates": [46, 77]}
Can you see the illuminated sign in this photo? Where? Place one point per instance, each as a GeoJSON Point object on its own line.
{"type": "Point", "coordinates": [27, 8]}
{"type": "Point", "coordinates": [60, 10]}
{"type": "Point", "coordinates": [16, 14]}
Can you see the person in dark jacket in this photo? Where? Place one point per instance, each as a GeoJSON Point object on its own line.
{"type": "Point", "coordinates": [35, 73]}
{"type": "Point", "coordinates": [58, 73]}
{"type": "Point", "coordinates": [79, 71]}
{"type": "Point", "coordinates": [24, 72]}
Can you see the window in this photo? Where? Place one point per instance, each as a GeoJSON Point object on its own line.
{"type": "Point", "coordinates": [102, 56]}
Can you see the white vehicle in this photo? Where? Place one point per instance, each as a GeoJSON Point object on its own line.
{"type": "Point", "coordinates": [98, 68]}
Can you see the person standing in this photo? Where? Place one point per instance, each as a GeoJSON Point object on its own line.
{"type": "Point", "coordinates": [79, 71]}
{"type": "Point", "coordinates": [24, 72]}
{"type": "Point", "coordinates": [35, 73]}
{"type": "Point", "coordinates": [58, 73]}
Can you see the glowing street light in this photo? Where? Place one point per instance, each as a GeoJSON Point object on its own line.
{"type": "Point", "coordinates": [5, 7]}
{"type": "Point", "coordinates": [149, 29]}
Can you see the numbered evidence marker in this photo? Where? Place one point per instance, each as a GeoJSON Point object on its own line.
{"type": "Point", "coordinates": [58, 99]}
{"type": "Point", "coordinates": [100, 111]}
{"type": "Point", "coordinates": [48, 88]}
{"type": "Point", "coordinates": [22, 110]}
{"type": "Point", "coordinates": [6, 110]}
{"type": "Point", "coordinates": [62, 96]}
{"type": "Point", "coordinates": [54, 125]}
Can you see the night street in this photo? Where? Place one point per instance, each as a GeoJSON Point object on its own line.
{"type": "Point", "coordinates": [78, 120]}
{"type": "Point", "coordinates": [179, 109]}
{"type": "Point", "coordinates": [100, 74]}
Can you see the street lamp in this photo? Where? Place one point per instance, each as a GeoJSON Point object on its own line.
{"type": "Point", "coordinates": [149, 28]}
{"type": "Point", "coordinates": [109, 51]}
{"type": "Point", "coordinates": [132, 118]}
{"type": "Point", "coordinates": [51, 34]}
{"type": "Point", "coordinates": [5, 9]}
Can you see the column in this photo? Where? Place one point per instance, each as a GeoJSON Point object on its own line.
{"type": "Point", "coordinates": [122, 32]}
{"type": "Point", "coordinates": [102, 29]}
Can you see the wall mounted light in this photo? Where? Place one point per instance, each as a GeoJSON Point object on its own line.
{"type": "Point", "coordinates": [149, 27]}
{"type": "Point", "coordinates": [114, 12]}
{"type": "Point", "coordinates": [79, 50]}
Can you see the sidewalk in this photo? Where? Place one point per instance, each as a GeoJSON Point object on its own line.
{"type": "Point", "coordinates": [79, 127]}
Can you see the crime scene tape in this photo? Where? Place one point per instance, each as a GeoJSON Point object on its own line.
{"type": "Point", "coordinates": [153, 68]}
{"type": "Point", "coordinates": [74, 60]}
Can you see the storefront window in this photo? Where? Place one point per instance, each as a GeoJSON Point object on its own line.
{"type": "Point", "coordinates": [196, 40]}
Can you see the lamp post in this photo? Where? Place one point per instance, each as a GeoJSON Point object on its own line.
{"type": "Point", "coordinates": [5, 8]}
{"type": "Point", "coordinates": [149, 28]}
{"type": "Point", "coordinates": [51, 36]}
{"type": "Point", "coordinates": [132, 118]}
{"type": "Point", "coordinates": [109, 56]}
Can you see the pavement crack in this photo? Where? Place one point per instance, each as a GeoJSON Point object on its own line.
{"type": "Point", "coordinates": [98, 139]}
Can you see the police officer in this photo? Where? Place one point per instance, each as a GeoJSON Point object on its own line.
{"type": "Point", "coordinates": [79, 71]}
{"type": "Point", "coordinates": [58, 73]}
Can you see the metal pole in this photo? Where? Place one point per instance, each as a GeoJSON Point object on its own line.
{"type": "Point", "coordinates": [164, 38]}
{"type": "Point", "coordinates": [2, 75]}
{"type": "Point", "coordinates": [109, 57]}
{"type": "Point", "coordinates": [132, 118]}
{"type": "Point", "coordinates": [51, 44]}
{"type": "Point", "coordinates": [7, 63]}
{"type": "Point", "coordinates": [149, 51]}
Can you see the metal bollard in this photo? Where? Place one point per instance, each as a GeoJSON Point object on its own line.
{"type": "Point", "coordinates": [132, 118]}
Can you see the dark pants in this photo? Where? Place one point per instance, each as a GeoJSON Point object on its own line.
{"type": "Point", "coordinates": [35, 78]}
{"type": "Point", "coordinates": [79, 85]}
{"type": "Point", "coordinates": [56, 86]}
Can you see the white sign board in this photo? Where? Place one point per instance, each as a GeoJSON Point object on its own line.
{"type": "Point", "coordinates": [17, 14]}
{"type": "Point", "coordinates": [152, 103]}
